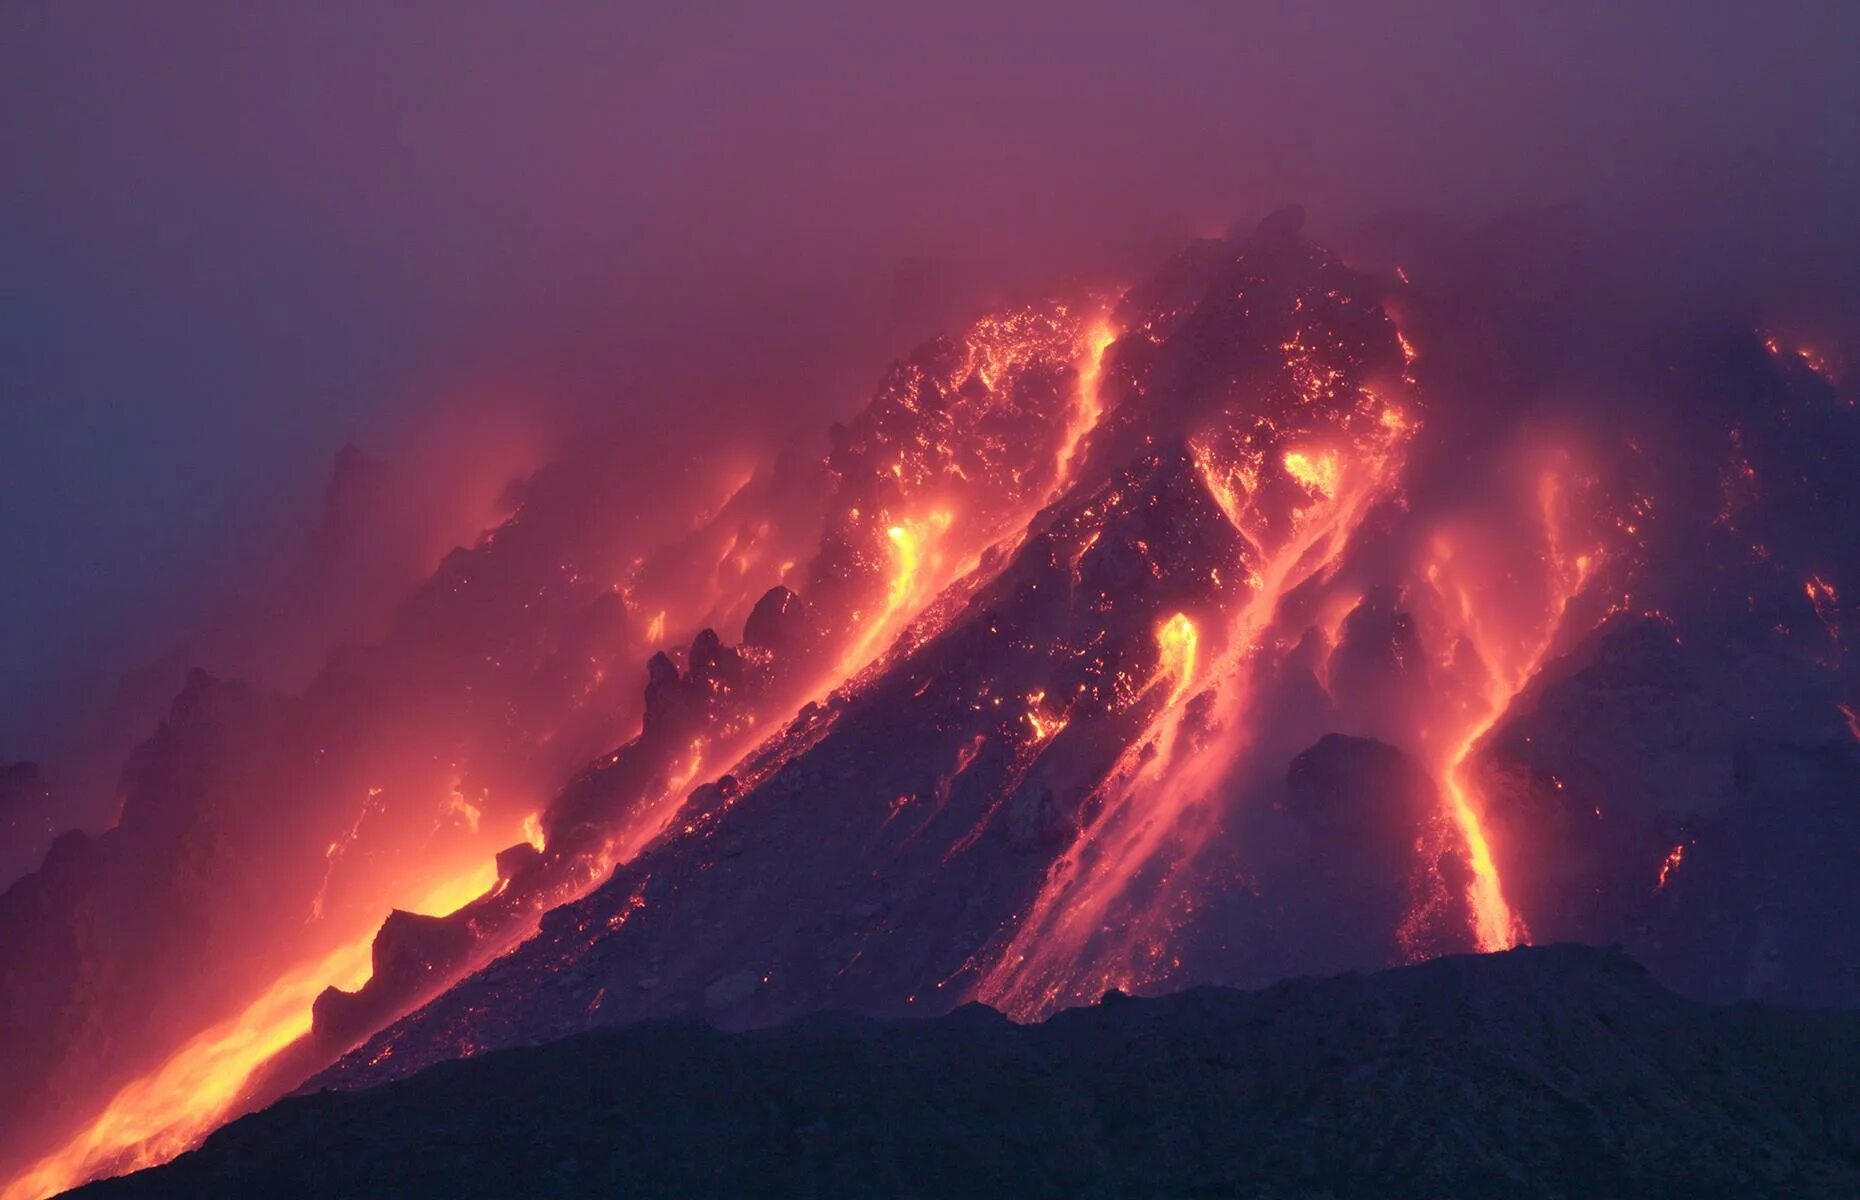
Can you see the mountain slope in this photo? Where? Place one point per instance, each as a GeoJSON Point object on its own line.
{"type": "Point", "coordinates": [1556, 1071]}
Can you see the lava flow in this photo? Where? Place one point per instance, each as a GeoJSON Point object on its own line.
{"type": "Point", "coordinates": [1102, 919]}
{"type": "Point", "coordinates": [204, 1083]}
{"type": "Point", "coordinates": [959, 450]}
{"type": "Point", "coordinates": [1203, 635]}
{"type": "Point", "coordinates": [1501, 603]}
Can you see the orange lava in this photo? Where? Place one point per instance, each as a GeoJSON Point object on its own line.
{"type": "Point", "coordinates": [1826, 603]}
{"type": "Point", "coordinates": [1501, 635]}
{"type": "Point", "coordinates": [201, 1085]}
{"type": "Point", "coordinates": [1317, 470]}
{"type": "Point", "coordinates": [1090, 928]}
{"type": "Point", "coordinates": [1089, 407]}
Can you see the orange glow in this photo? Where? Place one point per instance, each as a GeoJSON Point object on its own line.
{"type": "Point", "coordinates": [1089, 406]}
{"type": "Point", "coordinates": [1813, 361]}
{"type": "Point", "coordinates": [1176, 643]}
{"type": "Point", "coordinates": [1494, 925]}
{"type": "Point", "coordinates": [907, 555]}
{"type": "Point", "coordinates": [457, 805]}
{"type": "Point", "coordinates": [1503, 634]}
{"type": "Point", "coordinates": [1674, 857]}
{"type": "Point", "coordinates": [1044, 726]}
{"type": "Point", "coordinates": [1316, 471]}
{"type": "Point", "coordinates": [922, 549]}
{"type": "Point", "coordinates": [171, 1108]}
{"type": "Point", "coordinates": [1822, 597]}
{"type": "Point", "coordinates": [1090, 928]}
{"type": "Point", "coordinates": [914, 545]}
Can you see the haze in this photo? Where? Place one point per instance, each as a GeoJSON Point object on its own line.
{"type": "Point", "coordinates": [235, 237]}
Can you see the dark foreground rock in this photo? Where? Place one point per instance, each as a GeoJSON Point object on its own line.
{"type": "Point", "coordinates": [1550, 1072]}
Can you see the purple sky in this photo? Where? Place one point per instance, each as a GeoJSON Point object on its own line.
{"type": "Point", "coordinates": [232, 236]}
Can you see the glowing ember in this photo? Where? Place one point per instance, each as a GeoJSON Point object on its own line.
{"type": "Point", "coordinates": [1089, 406]}
{"type": "Point", "coordinates": [1822, 597]}
{"type": "Point", "coordinates": [1674, 857]}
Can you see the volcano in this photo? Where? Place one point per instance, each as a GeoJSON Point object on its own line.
{"type": "Point", "coordinates": [1217, 629]}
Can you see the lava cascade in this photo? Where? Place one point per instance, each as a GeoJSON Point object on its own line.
{"type": "Point", "coordinates": [959, 446]}
{"type": "Point", "coordinates": [1010, 715]}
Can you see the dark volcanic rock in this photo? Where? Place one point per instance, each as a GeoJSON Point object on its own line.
{"type": "Point", "coordinates": [410, 950]}
{"type": "Point", "coordinates": [1343, 859]}
{"type": "Point", "coordinates": [26, 825]}
{"type": "Point", "coordinates": [1694, 803]}
{"type": "Point", "coordinates": [1548, 1072]}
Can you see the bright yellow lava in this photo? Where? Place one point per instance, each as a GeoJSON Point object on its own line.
{"type": "Point", "coordinates": [1178, 641]}
{"type": "Point", "coordinates": [907, 554]}
{"type": "Point", "coordinates": [1317, 471]}
{"type": "Point", "coordinates": [1494, 927]}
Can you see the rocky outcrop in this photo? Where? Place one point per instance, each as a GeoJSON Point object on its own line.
{"type": "Point", "coordinates": [1694, 803]}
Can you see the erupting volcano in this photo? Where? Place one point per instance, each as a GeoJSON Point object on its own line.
{"type": "Point", "coordinates": [1223, 626]}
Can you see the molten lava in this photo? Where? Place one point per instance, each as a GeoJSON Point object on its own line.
{"type": "Point", "coordinates": [1089, 407]}
{"type": "Point", "coordinates": [1317, 471]}
{"type": "Point", "coordinates": [1501, 617]}
{"type": "Point", "coordinates": [203, 1084]}
{"type": "Point", "coordinates": [1103, 920]}
{"type": "Point", "coordinates": [1151, 542]}
{"type": "Point", "coordinates": [1176, 643]}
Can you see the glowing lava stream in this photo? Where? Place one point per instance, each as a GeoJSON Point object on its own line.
{"type": "Point", "coordinates": [920, 572]}
{"type": "Point", "coordinates": [1507, 667]}
{"type": "Point", "coordinates": [915, 541]}
{"type": "Point", "coordinates": [1071, 941]}
{"type": "Point", "coordinates": [1090, 406]}
{"type": "Point", "coordinates": [171, 1108]}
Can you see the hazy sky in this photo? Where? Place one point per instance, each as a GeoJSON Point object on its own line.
{"type": "Point", "coordinates": [233, 235]}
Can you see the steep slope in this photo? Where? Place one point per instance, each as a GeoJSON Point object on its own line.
{"type": "Point", "coordinates": [1219, 633]}
{"type": "Point", "coordinates": [913, 843]}
{"type": "Point", "coordinates": [1548, 1072]}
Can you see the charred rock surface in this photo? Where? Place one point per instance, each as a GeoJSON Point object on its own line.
{"type": "Point", "coordinates": [1559, 1071]}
